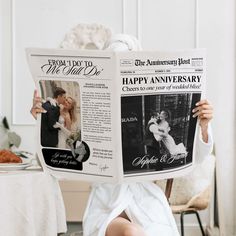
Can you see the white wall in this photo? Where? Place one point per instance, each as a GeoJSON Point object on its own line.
{"type": "Point", "coordinates": [160, 24]}
{"type": "Point", "coordinates": [217, 34]}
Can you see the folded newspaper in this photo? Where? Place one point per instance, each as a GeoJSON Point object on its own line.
{"type": "Point", "coordinates": [117, 116]}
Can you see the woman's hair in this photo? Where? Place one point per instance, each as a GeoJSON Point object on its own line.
{"type": "Point", "coordinates": [72, 111]}
{"type": "Point", "coordinates": [167, 115]}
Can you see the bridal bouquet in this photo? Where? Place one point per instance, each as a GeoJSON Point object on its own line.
{"type": "Point", "coordinates": [73, 138]}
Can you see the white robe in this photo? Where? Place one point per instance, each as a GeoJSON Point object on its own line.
{"type": "Point", "coordinates": [143, 202]}
{"type": "Point", "coordinates": [138, 200]}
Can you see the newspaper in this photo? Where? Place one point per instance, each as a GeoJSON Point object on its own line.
{"type": "Point", "coordinates": [124, 115]}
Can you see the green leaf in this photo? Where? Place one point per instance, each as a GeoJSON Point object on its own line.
{"type": "Point", "coordinates": [14, 139]}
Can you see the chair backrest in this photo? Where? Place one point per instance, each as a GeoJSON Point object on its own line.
{"type": "Point", "coordinates": [168, 188]}
{"type": "Point", "coordinates": [189, 187]}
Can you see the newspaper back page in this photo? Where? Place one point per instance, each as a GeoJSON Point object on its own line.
{"type": "Point", "coordinates": [75, 134]}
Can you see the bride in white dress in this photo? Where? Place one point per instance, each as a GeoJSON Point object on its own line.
{"type": "Point", "coordinates": [169, 142]}
{"type": "Point", "coordinates": [66, 122]}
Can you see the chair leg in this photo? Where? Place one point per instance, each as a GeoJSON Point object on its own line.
{"type": "Point", "coordinates": [200, 223]}
{"type": "Point", "coordinates": [182, 223]}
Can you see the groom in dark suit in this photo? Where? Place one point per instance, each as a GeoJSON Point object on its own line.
{"type": "Point", "coordinates": [49, 134]}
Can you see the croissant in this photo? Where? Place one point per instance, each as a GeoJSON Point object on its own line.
{"type": "Point", "coordinates": [9, 157]}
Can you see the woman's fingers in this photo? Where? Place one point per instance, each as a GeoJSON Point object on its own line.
{"type": "Point", "coordinates": [35, 111]}
{"type": "Point", "coordinates": [203, 110]}
{"type": "Point", "coordinates": [37, 101]}
{"type": "Point", "coordinates": [203, 105]}
{"type": "Point", "coordinates": [203, 114]}
{"type": "Point", "coordinates": [37, 105]}
{"type": "Point", "coordinates": [35, 93]}
{"type": "Point", "coordinates": [204, 101]}
{"type": "Point", "coordinates": [36, 98]}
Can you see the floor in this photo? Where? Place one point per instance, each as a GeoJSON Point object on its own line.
{"type": "Point", "coordinates": [73, 229]}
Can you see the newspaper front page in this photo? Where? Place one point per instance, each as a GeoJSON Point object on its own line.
{"type": "Point", "coordinates": [158, 93]}
{"type": "Point", "coordinates": [117, 116]}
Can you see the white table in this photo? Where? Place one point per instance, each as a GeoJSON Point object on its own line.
{"type": "Point", "coordinates": [31, 204]}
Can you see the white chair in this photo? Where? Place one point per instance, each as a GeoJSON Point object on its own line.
{"type": "Point", "coordinates": [190, 194]}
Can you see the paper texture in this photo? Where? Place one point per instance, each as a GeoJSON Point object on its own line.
{"type": "Point", "coordinates": [124, 115]}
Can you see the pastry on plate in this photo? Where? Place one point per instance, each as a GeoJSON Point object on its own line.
{"type": "Point", "coordinates": [7, 156]}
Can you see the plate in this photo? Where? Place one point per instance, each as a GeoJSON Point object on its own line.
{"type": "Point", "coordinates": [15, 166]}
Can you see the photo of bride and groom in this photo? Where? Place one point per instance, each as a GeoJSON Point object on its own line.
{"type": "Point", "coordinates": [157, 134]}
{"type": "Point", "coordinates": [60, 124]}
{"type": "Point", "coordinates": [157, 131]}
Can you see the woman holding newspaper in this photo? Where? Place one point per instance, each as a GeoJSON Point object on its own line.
{"type": "Point", "coordinates": [138, 208]}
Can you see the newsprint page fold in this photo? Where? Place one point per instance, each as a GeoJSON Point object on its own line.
{"type": "Point", "coordinates": [117, 116]}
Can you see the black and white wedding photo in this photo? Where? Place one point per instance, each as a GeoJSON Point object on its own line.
{"type": "Point", "coordinates": [157, 131]}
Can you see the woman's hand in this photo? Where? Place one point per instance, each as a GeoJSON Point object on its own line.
{"type": "Point", "coordinates": [204, 112]}
{"type": "Point", "coordinates": [37, 105]}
